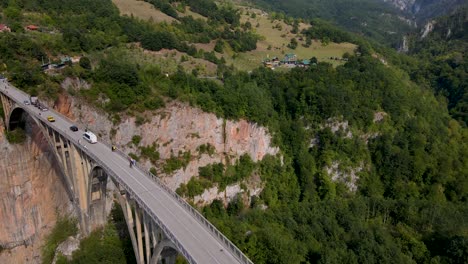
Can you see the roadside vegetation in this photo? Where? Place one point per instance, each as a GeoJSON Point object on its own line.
{"type": "Point", "coordinates": [410, 202]}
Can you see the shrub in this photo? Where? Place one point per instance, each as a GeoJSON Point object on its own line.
{"type": "Point", "coordinates": [16, 136]}
{"type": "Point", "coordinates": [150, 153]}
{"type": "Point", "coordinates": [136, 140]}
{"type": "Point", "coordinates": [64, 228]}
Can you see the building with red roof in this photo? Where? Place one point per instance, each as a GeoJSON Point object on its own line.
{"type": "Point", "coordinates": [32, 27]}
{"type": "Point", "coordinates": [4, 28]}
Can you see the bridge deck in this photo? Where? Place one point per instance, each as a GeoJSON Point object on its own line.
{"type": "Point", "coordinates": [195, 237]}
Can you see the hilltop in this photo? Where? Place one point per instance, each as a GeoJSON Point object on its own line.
{"type": "Point", "coordinates": [357, 160]}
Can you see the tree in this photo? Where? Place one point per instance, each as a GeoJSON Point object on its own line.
{"type": "Point", "coordinates": [85, 63]}
{"type": "Point", "coordinates": [219, 46]}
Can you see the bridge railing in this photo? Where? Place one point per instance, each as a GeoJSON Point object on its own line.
{"type": "Point", "coordinates": [142, 204]}
{"type": "Point", "coordinates": [222, 238]}
{"type": "Point", "coordinates": [233, 248]}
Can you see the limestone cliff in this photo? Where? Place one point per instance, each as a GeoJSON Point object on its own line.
{"type": "Point", "coordinates": [31, 194]}
{"type": "Point", "coordinates": [178, 128]}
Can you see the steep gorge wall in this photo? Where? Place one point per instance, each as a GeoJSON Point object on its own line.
{"type": "Point", "coordinates": [175, 129]}
{"type": "Point", "coordinates": [31, 195]}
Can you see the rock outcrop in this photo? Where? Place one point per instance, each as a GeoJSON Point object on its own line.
{"type": "Point", "coordinates": [31, 195]}
{"type": "Point", "coordinates": [178, 128]}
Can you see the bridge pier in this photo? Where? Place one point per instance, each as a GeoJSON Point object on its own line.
{"type": "Point", "coordinates": [89, 179]}
{"type": "Point", "coordinates": [87, 185]}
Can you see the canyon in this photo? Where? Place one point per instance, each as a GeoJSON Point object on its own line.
{"type": "Point", "coordinates": [32, 195]}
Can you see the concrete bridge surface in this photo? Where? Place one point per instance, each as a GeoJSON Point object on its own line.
{"type": "Point", "coordinates": [161, 224]}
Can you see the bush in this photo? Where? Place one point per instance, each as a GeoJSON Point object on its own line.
{"type": "Point", "coordinates": [16, 136]}
{"type": "Point", "coordinates": [150, 153]}
{"type": "Point", "coordinates": [175, 163]}
{"type": "Point", "coordinates": [136, 140]}
{"type": "Point", "coordinates": [85, 63]}
{"type": "Point", "coordinates": [64, 228]}
{"type": "Point", "coordinates": [194, 187]}
{"type": "Point", "coordinates": [206, 148]}
{"type": "Point", "coordinates": [134, 156]}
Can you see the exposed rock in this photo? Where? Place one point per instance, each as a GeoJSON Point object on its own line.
{"type": "Point", "coordinates": [347, 176]}
{"type": "Point", "coordinates": [336, 124]}
{"type": "Point", "coordinates": [31, 195]}
{"type": "Point", "coordinates": [254, 186]}
{"type": "Point", "coordinates": [402, 4]}
{"type": "Point", "coordinates": [379, 116]}
{"type": "Point", "coordinates": [75, 84]}
{"type": "Point", "coordinates": [404, 48]}
{"type": "Point", "coordinates": [66, 248]}
{"type": "Point", "coordinates": [428, 29]}
{"type": "Point", "coordinates": [177, 128]}
{"type": "Point", "coordinates": [63, 105]}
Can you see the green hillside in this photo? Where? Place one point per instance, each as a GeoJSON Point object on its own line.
{"type": "Point", "coordinates": [445, 63]}
{"type": "Point", "coordinates": [370, 18]}
{"type": "Point", "coordinates": [372, 166]}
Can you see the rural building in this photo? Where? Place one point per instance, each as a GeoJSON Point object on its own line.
{"type": "Point", "coordinates": [274, 62]}
{"type": "Point", "coordinates": [290, 58]}
{"type": "Point", "coordinates": [304, 63]}
{"type": "Point", "coordinates": [32, 27]}
{"type": "Point", "coordinates": [4, 28]}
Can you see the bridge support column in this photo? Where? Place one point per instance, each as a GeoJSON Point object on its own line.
{"type": "Point", "coordinates": [146, 225]}
{"type": "Point", "coordinates": [139, 234]}
{"type": "Point", "coordinates": [7, 107]}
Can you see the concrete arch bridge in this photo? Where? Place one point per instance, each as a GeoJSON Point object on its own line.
{"type": "Point", "coordinates": [161, 224]}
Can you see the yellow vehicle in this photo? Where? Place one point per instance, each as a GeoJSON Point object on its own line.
{"type": "Point", "coordinates": [51, 119]}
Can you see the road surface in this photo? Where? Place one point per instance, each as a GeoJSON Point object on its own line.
{"type": "Point", "coordinates": [202, 244]}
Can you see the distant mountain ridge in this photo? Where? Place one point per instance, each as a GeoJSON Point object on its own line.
{"type": "Point", "coordinates": [424, 10]}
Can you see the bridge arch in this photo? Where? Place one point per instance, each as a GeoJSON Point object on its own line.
{"type": "Point", "coordinates": [99, 197]}
{"type": "Point", "coordinates": [17, 119]}
{"type": "Point", "coordinates": [149, 207]}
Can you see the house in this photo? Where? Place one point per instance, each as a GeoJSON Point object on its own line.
{"type": "Point", "coordinates": [32, 27]}
{"type": "Point", "coordinates": [4, 28]}
{"type": "Point", "coordinates": [304, 63]}
{"type": "Point", "coordinates": [290, 58]}
{"type": "Point", "coordinates": [65, 60]}
{"type": "Point", "coordinates": [270, 63]}
{"type": "Point", "coordinates": [75, 59]}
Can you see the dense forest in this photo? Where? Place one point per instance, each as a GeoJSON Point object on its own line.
{"type": "Point", "coordinates": [445, 65]}
{"type": "Point", "coordinates": [374, 19]}
{"type": "Point", "coordinates": [404, 194]}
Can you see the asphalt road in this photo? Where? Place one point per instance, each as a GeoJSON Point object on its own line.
{"type": "Point", "coordinates": [196, 238]}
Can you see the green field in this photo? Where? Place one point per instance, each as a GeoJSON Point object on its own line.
{"type": "Point", "coordinates": [142, 10]}
{"type": "Point", "coordinates": [274, 38]}
{"type": "Point", "coordinates": [278, 39]}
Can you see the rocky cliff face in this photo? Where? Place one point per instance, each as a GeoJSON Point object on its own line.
{"type": "Point", "coordinates": [402, 4]}
{"type": "Point", "coordinates": [31, 195]}
{"type": "Point", "coordinates": [174, 130]}
{"type": "Point", "coordinates": [424, 10]}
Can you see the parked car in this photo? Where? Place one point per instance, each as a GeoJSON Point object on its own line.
{"type": "Point", "coordinates": [51, 119]}
{"type": "Point", "coordinates": [74, 128]}
{"type": "Point", "coordinates": [26, 102]}
{"type": "Point", "coordinates": [43, 109]}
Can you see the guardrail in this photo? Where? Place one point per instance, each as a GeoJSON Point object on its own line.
{"type": "Point", "coordinates": [233, 248]}
{"type": "Point", "coordinates": [222, 238]}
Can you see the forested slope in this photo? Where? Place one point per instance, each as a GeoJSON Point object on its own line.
{"type": "Point", "coordinates": [378, 20]}
{"type": "Point", "coordinates": [372, 169]}
{"type": "Point", "coordinates": [445, 63]}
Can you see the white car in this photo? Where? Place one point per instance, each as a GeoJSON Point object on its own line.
{"type": "Point", "coordinates": [90, 137]}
